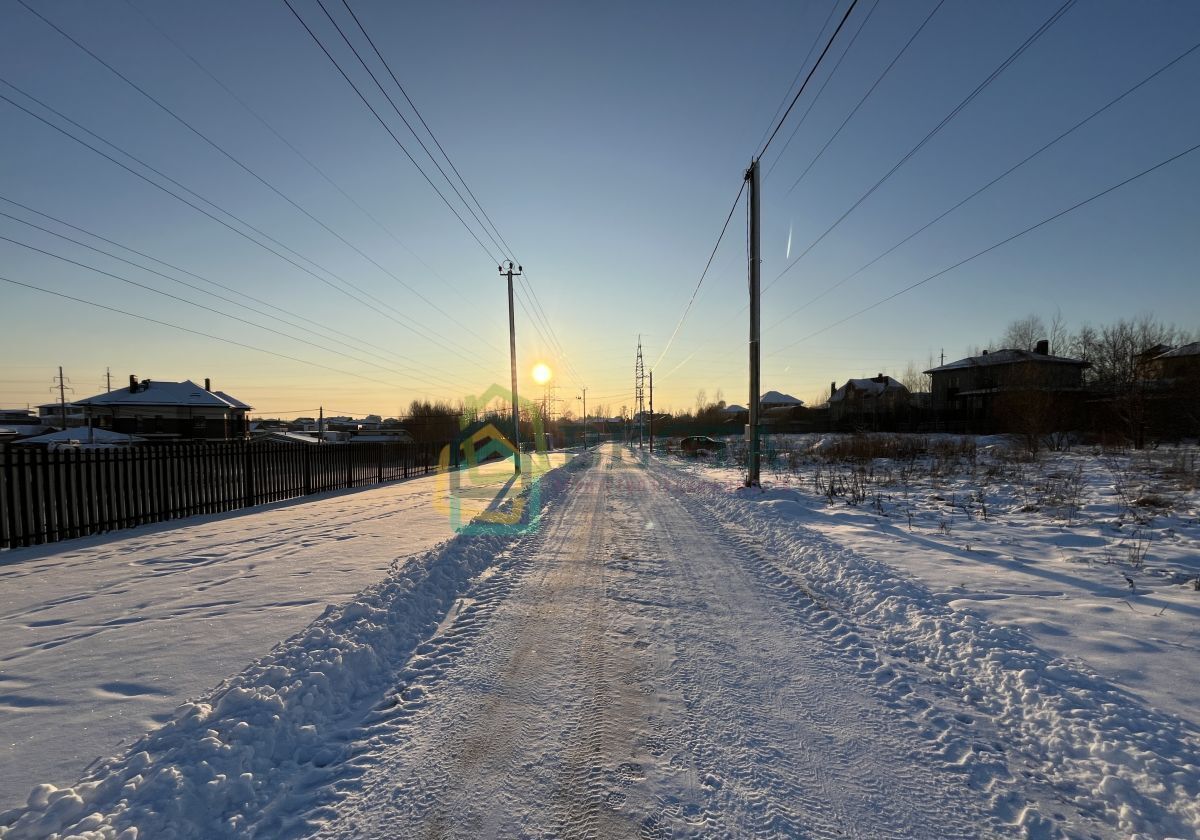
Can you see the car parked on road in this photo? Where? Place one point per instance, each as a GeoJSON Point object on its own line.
{"type": "Point", "coordinates": [700, 445]}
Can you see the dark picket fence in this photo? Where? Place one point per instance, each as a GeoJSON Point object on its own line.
{"type": "Point", "coordinates": [47, 496]}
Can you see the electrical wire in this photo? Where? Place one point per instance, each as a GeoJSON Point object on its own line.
{"type": "Point", "coordinates": [1041, 30]}
{"type": "Point", "coordinates": [340, 335]}
{"type": "Point", "coordinates": [817, 96]}
{"type": "Point", "coordinates": [866, 95]}
{"type": "Point", "coordinates": [388, 129]}
{"type": "Point", "coordinates": [991, 183]}
{"type": "Point", "coordinates": [398, 318]}
{"type": "Point", "coordinates": [236, 161]}
{"type": "Point", "coordinates": [703, 274]}
{"type": "Point", "coordinates": [993, 247]}
{"type": "Point", "coordinates": [807, 78]}
{"type": "Point", "coordinates": [535, 310]}
{"type": "Point", "coordinates": [156, 291]}
{"type": "Point", "coordinates": [308, 161]}
{"type": "Point", "coordinates": [148, 319]}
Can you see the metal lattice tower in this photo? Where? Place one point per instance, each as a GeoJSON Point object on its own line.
{"type": "Point", "coordinates": [639, 389]}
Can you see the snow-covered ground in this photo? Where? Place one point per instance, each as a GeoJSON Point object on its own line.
{"type": "Point", "coordinates": [102, 638]}
{"type": "Point", "coordinates": [1094, 555]}
{"type": "Point", "coordinates": [666, 654]}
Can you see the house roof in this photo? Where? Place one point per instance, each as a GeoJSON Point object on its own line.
{"type": "Point", "coordinates": [777, 398]}
{"type": "Point", "coordinates": [1192, 349]}
{"type": "Point", "coordinates": [151, 392]}
{"type": "Point", "coordinates": [868, 386]}
{"type": "Point", "coordinates": [1006, 357]}
{"type": "Point", "coordinates": [734, 409]}
{"type": "Point", "coordinates": [81, 434]}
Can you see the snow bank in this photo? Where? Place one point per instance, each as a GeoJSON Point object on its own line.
{"type": "Point", "coordinates": [228, 764]}
{"type": "Point", "coordinates": [1136, 768]}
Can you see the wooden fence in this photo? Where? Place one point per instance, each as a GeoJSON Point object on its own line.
{"type": "Point", "coordinates": [46, 496]}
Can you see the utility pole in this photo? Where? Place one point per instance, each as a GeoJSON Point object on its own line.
{"type": "Point", "coordinates": [752, 175]}
{"type": "Point", "coordinates": [512, 354]}
{"type": "Point", "coordinates": [585, 426]}
{"type": "Point", "coordinates": [639, 390]}
{"type": "Point", "coordinates": [108, 380]}
{"type": "Point", "coordinates": [651, 412]}
{"type": "Point", "coordinates": [321, 425]}
{"type": "Point", "coordinates": [62, 397]}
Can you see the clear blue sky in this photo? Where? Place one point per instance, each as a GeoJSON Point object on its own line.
{"type": "Point", "coordinates": [607, 142]}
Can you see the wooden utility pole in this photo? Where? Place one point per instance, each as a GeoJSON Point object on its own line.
{"type": "Point", "coordinates": [752, 175]}
{"type": "Point", "coordinates": [512, 354]}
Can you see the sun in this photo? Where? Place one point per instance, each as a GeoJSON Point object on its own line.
{"type": "Point", "coordinates": [541, 373]}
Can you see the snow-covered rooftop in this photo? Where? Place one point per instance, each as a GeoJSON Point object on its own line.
{"type": "Point", "coordinates": [1006, 357]}
{"type": "Point", "coordinates": [82, 435]}
{"type": "Point", "coordinates": [152, 392]}
{"type": "Point", "coordinates": [869, 386]}
{"type": "Point", "coordinates": [779, 398]}
{"type": "Point", "coordinates": [1192, 349]}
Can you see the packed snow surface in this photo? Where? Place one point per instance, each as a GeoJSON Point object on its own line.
{"type": "Point", "coordinates": [102, 638]}
{"type": "Point", "coordinates": [658, 654]}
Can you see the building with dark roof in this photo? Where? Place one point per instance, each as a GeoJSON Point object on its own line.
{"type": "Point", "coordinates": [167, 411]}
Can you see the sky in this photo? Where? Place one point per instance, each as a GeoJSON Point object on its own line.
{"type": "Point", "coordinates": [606, 143]}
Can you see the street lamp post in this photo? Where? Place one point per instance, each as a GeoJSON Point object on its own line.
{"type": "Point", "coordinates": [512, 353]}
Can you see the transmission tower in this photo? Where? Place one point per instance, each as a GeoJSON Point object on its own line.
{"type": "Point", "coordinates": [639, 390]}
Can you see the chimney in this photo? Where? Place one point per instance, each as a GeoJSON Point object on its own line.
{"type": "Point", "coordinates": [832, 388]}
{"type": "Point", "coordinates": [1042, 348]}
{"type": "Point", "coordinates": [133, 384]}
{"type": "Point", "coordinates": [880, 378]}
{"type": "Point", "coordinates": [207, 384]}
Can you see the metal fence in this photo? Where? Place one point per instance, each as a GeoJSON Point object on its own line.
{"type": "Point", "coordinates": [47, 496]}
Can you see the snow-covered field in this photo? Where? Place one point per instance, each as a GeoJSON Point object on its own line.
{"type": "Point", "coordinates": [668, 655]}
{"type": "Point", "coordinates": [102, 638]}
{"type": "Point", "coordinates": [1094, 555]}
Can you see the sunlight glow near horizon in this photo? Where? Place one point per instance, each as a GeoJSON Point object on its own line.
{"type": "Point", "coordinates": [541, 373]}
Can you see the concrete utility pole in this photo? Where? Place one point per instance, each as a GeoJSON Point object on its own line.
{"type": "Point", "coordinates": [62, 397]}
{"type": "Point", "coordinates": [512, 353]}
{"type": "Point", "coordinates": [584, 398]}
{"type": "Point", "coordinates": [639, 397]}
{"type": "Point", "coordinates": [108, 380]}
{"type": "Point", "coordinates": [752, 175]}
{"type": "Point", "coordinates": [651, 412]}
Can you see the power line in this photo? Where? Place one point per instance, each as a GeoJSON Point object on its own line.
{"type": "Point", "coordinates": [703, 274]}
{"type": "Point", "coordinates": [211, 309]}
{"type": "Point", "coordinates": [828, 78]}
{"type": "Point", "coordinates": [816, 40]}
{"type": "Point", "coordinates": [549, 336]}
{"type": "Point", "coordinates": [173, 267]}
{"type": "Point", "coordinates": [796, 98]}
{"type": "Point", "coordinates": [992, 182]}
{"type": "Point", "coordinates": [192, 331]}
{"type": "Point", "coordinates": [866, 95]}
{"type": "Point", "coordinates": [407, 124]}
{"type": "Point", "coordinates": [945, 121]}
{"type": "Point", "coordinates": [993, 247]}
{"type": "Point", "coordinates": [432, 136]}
{"type": "Point", "coordinates": [233, 159]}
{"type": "Point", "coordinates": [388, 129]}
{"type": "Point", "coordinates": [412, 327]}
{"type": "Point", "coordinates": [308, 161]}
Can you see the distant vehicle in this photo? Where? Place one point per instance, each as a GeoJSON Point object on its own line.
{"type": "Point", "coordinates": [700, 445]}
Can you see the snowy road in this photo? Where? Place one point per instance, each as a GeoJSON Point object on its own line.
{"type": "Point", "coordinates": [659, 657]}
{"type": "Point", "coordinates": [640, 671]}
{"type": "Point", "coordinates": [102, 637]}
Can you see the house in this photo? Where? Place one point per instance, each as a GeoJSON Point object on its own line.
{"type": "Point", "coordinates": [987, 392]}
{"type": "Point", "coordinates": [872, 403]}
{"type": "Point", "coordinates": [776, 399]}
{"type": "Point", "coordinates": [1174, 363]}
{"type": "Point", "coordinates": [167, 411]}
